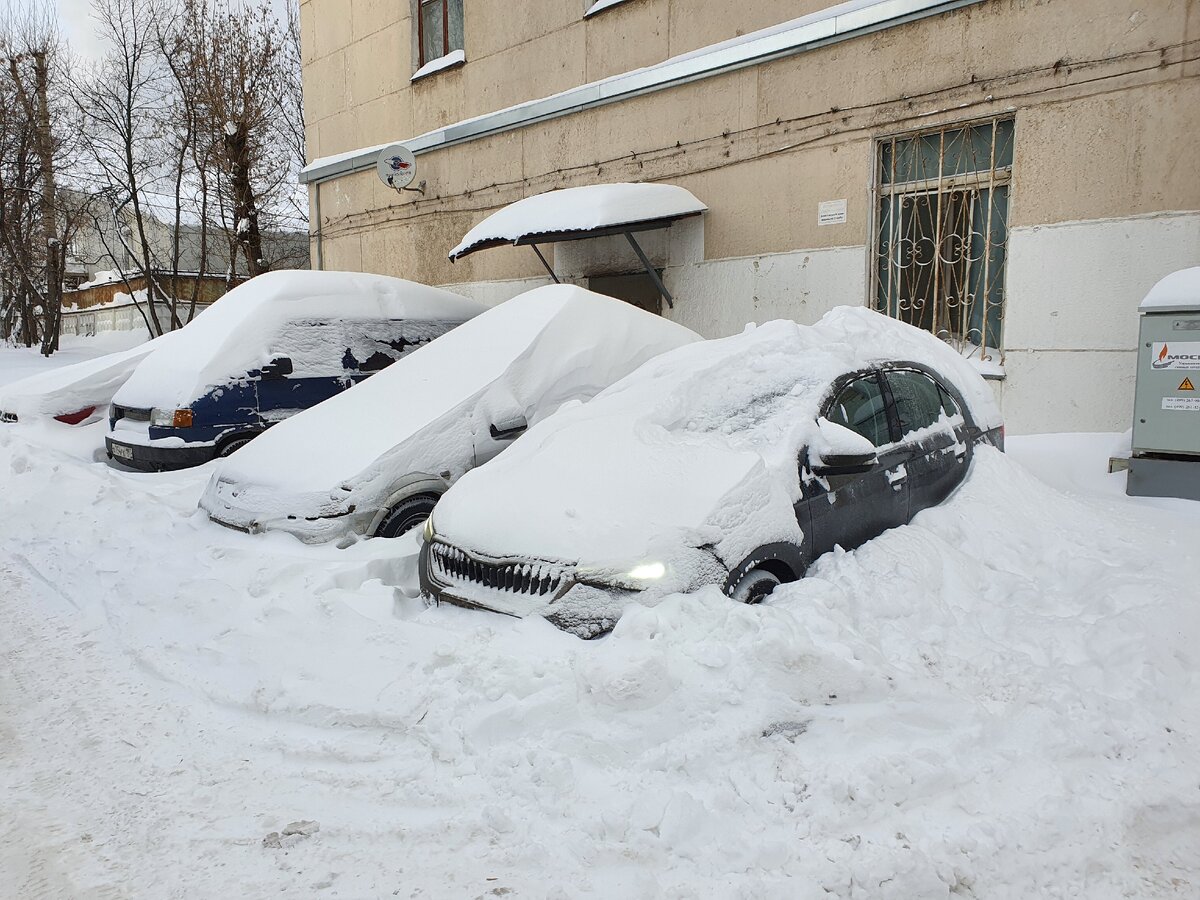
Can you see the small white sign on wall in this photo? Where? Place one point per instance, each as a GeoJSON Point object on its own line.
{"type": "Point", "coordinates": [831, 212]}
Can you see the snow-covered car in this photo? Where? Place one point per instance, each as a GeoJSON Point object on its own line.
{"type": "Point", "coordinates": [734, 462]}
{"type": "Point", "coordinates": [276, 345]}
{"type": "Point", "coordinates": [75, 394]}
{"type": "Point", "coordinates": [374, 460]}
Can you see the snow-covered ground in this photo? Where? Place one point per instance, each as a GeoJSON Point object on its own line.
{"type": "Point", "coordinates": [1001, 700]}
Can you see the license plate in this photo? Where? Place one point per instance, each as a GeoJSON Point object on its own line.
{"type": "Point", "coordinates": [122, 452]}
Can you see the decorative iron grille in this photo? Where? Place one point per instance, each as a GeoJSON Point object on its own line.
{"type": "Point", "coordinates": [942, 232]}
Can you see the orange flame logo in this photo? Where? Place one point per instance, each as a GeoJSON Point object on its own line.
{"type": "Point", "coordinates": [1163, 355]}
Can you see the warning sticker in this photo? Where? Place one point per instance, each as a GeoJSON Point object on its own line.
{"type": "Point", "coordinates": [1186, 385]}
{"type": "Point", "coordinates": [1182, 404]}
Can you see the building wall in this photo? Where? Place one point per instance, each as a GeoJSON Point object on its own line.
{"type": "Point", "coordinates": [1106, 184]}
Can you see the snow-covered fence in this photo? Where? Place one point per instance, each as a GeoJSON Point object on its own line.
{"type": "Point", "coordinates": [118, 317]}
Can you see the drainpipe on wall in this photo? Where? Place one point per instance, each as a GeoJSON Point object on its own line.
{"type": "Point", "coordinates": [319, 261]}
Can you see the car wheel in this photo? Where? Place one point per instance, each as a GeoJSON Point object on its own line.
{"type": "Point", "coordinates": [231, 446]}
{"type": "Point", "coordinates": [753, 586]}
{"type": "Point", "coordinates": [406, 515]}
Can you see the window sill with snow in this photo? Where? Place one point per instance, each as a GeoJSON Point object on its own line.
{"type": "Point", "coordinates": [601, 5]}
{"type": "Point", "coordinates": [451, 60]}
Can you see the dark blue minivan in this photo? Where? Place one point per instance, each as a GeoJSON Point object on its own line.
{"type": "Point", "coordinates": [276, 345]}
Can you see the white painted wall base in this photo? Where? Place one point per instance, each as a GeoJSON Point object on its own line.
{"type": "Point", "coordinates": [493, 293]}
{"type": "Point", "coordinates": [1071, 326]}
{"type": "Point", "coordinates": [1070, 330]}
{"type": "Point", "coordinates": [719, 297]}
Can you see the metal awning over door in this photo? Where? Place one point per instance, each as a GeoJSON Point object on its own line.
{"type": "Point", "coordinates": [591, 211]}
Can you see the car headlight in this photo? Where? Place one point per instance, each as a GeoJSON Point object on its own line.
{"type": "Point", "coordinates": [651, 571]}
{"type": "Point", "coordinates": [427, 531]}
{"type": "Point", "coordinates": [171, 418]}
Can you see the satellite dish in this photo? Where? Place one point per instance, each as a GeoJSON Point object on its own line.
{"type": "Point", "coordinates": [396, 166]}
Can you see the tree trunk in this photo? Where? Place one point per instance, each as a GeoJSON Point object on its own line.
{"type": "Point", "coordinates": [245, 206]}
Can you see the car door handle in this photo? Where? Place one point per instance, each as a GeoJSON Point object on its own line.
{"type": "Point", "coordinates": [962, 444]}
{"type": "Point", "coordinates": [897, 476]}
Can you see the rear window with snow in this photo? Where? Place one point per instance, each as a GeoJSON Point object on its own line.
{"type": "Point", "coordinates": [323, 349]}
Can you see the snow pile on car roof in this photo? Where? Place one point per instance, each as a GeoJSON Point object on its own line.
{"type": "Point", "coordinates": [425, 412]}
{"type": "Point", "coordinates": [90, 383]}
{"type": "Point", "coordinates": [580, 209]}
{"type": "Point", "coordinates": [1179, 290]}
{"type": "Point", "coordinates": [232, 337]}
{"type": "Point", "coordinates": [685, 439]}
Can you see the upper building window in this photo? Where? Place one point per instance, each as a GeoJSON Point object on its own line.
{"type": "Point", "coordinates": [441, 28]}
{"type": "Point", "coordinates": [942, 238]}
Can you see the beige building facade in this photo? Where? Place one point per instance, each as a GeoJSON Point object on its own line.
{"type": "Point", "coordinates": [1011, 174]}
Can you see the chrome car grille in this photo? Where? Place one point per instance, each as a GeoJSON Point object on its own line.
{"type": "Point", "coordinates": [533, 578]}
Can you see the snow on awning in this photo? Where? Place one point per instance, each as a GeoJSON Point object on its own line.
{"type": "Point", "coordinates": [570, 214]}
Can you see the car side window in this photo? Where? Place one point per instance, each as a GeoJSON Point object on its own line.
{"type": "Point", "coordinates": [918, 400]}
{"type": "Point", "coordinates": [861, 408]}
{"type": "Point", "coordinates": [948, 403]}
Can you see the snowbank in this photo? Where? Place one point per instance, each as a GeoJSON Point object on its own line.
{"type": "Point", "coordinates": [579, 209]}
{"type": "Point", "coordinates": [430, 411]}
{"type": "Point", "coordinates": [996, 701]}
{"type": "Point", "coordinates": [232, 336]}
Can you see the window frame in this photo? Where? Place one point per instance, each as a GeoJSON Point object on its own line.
{"type": "Point", "coordinates": [420, 16]}
{"type": "Point", "coordinates": [987, 179]}
{"type": "Point", "coordinates": [841, 384]}
{"type": "Point", "coordinates": [939, 391]}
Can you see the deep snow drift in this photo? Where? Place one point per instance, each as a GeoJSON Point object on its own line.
{"type": "Point", "coordinates": [997, 701]}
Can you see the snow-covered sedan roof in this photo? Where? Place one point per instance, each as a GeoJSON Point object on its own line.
{"type": "Point", "coordinates": [538, 350]}
{"type": "Point", "coordinates": [1176, 292]}
{"type": "Point", "coordinates": [232, 336]}
{"type": "Point", "coordinates": [579, 212]}
{"type": "Point", "coordinates": [680, 446]}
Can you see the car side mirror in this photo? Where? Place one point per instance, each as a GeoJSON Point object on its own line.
{"type": "Point", "coordinates": [844, 464]}
{"type": "Point", "coordinates": [507, 431]}
{"type": "Point", "coordinates": [279, 367]}
{"type": "Point", "coordinates": [836, 450]}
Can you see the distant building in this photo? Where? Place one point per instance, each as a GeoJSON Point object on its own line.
{"type": "Point", "coordinates": [103, 245]}
{"type": "Point", "coordinates": [1011, 175]}
{"type": "Point", "coordinates": [102, 275]}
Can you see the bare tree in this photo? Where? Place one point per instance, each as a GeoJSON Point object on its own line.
{"type": "Point", "coordinates": [122, 102]}
{"type": "Point", "coordinates": [244, 64]}
{"type": "Point", "coordinates": [37, 218]}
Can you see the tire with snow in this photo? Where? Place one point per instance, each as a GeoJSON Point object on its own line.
{"type": "Point", "coordinates": [753, 586]}
{"type": "Point", "coordinates": [234, 444]}
{"type": "Point", "coordinates": [406, 515]}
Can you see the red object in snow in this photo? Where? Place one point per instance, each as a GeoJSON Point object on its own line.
{"type": "Point", "coordinates": [76, 417]}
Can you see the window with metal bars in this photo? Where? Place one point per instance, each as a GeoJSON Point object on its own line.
{"type": "Point", "coordinates": [942, 232]}
{"type": "Point", "coordinates": [440, 27]}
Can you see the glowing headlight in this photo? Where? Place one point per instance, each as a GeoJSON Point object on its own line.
{"type": "Point", "coordinates": [171, 418]}
{"type": "Point", "coordinates": [647, 571]}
